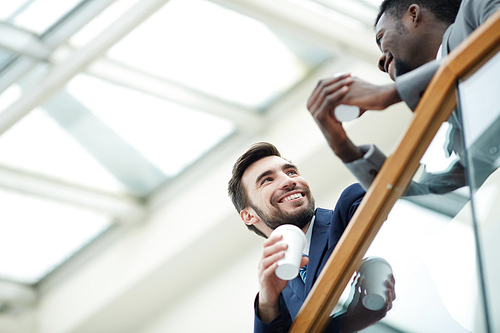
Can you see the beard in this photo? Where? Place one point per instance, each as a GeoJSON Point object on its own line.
{"type": "Point", "coordinates": [300, 218]}
{"type": "Point", "coordinates": [401, 67]}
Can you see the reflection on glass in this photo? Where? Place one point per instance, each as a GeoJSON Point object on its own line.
{"type": "Point", "coordinates": [34, 241]}
{"type": "Point", "coordinates": [434, 262]}
{"type": "Point", "coordinates": [480, 111]}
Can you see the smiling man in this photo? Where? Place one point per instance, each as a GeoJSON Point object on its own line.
{"type": "Point", "coordinates": [413, 36]}
{"type": "Point", "coordinates": [268, 191]}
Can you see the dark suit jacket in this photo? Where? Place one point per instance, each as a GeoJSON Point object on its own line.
{"type": "Point", "coordinates": [328, 227]}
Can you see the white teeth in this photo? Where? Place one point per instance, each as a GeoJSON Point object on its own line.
{"type": "Point", "coordinates": [293, 196]}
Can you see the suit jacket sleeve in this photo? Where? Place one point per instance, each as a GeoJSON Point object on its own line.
{"type": "Point", "coordinates": [280, 324]}
{"type": "Point", "coordinates": [366, 169]}
{"type": "Point", "coordinates": [411, 86]}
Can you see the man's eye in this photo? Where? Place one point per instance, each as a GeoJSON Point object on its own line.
{"type": "Point", "coordinates": [267, 180]}
{"type": "Point", "coordinates": [292, 172]}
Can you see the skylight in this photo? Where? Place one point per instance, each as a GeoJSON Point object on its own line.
{"type": "Point", "coordinates": [36, 240]}
{"type": "Point", "coordinates": [168, 135]}
{"type": "Point", "coordinates": [217, 51]}
{"type": "Point", "coordinates": [35, 15]}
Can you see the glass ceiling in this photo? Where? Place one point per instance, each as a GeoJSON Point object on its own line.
{"type": "Point", "coordinates": [36, 240]}
{"type": "Point", "coordinates": [228, 58]}
{"type": "Point", "coordinates": [108, 137]}
{"type": "Point", "coordinates": [35, 16]}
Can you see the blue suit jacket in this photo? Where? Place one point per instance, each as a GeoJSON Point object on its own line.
{"type": "Point", "coordinates": [327, 230]}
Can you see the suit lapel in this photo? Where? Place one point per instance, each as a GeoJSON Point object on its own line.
{"type": "Point", "coordinates": [445, 48]}
{"type": "Point", "coordinates": [298, 288]}
{"type": "Point", "coordinates": [318, 246]}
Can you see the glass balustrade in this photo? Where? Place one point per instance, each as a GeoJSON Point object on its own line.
{"type": "Point", "coordinates": [444, 233]}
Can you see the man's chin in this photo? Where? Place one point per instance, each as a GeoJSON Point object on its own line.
{"type": "Point", "coordinates": [400, 67]}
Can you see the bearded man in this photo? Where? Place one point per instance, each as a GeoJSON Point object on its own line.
{"type": "Point", "coordinates": [268, 191]}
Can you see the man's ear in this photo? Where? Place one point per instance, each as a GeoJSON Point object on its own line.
{"type": "Point", "coordinates": [248, 216]}
{"type": "Point", "coordinates": [415, 13]}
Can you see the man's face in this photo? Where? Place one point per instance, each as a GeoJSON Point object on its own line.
{"type": "Point", "coordinates": [400, 45]}
{"type": "Point", "coordinates": [278, 194]}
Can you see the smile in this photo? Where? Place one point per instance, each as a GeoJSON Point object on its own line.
{"type": "Point", "coordinates": [388, 62]}
{"type": "Point", "coordinates": [291, 197]}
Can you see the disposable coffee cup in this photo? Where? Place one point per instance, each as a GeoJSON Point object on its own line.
{"type": "Point", "coordinates": [289, 265]}
{"type": "Point", "coordinates": [375, 271]}
{"type": "Point", "coordinates": [345, 113]}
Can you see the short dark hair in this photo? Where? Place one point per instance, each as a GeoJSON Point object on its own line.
{"type": "Point", "coordinates": [236, 191]}
{"type": "Point", "coordinates": [444, 10]}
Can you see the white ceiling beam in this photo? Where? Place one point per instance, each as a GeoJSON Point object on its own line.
{"type": "Point", "coordinates": [63, 72]}
{"type": "Point", "coordinates": [83, 14]}
{"type": "Point", "coordinates": [125, 208]}
{"type": "Point", "coordinates": [22, 42]}
{"type": "Point", "coordinates": [120, 158]}
{"type": "Point", "coordinates": [16, 296]}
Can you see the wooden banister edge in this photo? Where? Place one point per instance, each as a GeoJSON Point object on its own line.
{"type": "Point", "coordinates": [434, 108]}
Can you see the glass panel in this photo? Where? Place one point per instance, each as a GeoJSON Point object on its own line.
{"type": "Point", "coordinates": [38, 144]}
{"type": "Point", "coordinates": [36, 15]}
{"type": "Point", "coordinates": [4, 57]}
{"type": "Point", "coordinates": [101, 22]}
{"type": "Point", "coordinates": [9, 9]}
{"type": "Point", "coordinates": [429, 239]}
{"type": "Point", "coordinates": [34, 241]}
{"type": "Point", "coordinates": [441, 238]}
{"type": "Point", "coordinates": [169, 135]}
{"type": "Point", "coordinates": [357, 14]}
{"type": "Point", "coordinates": [217, 51]}
{"type": "Point", "coordinates": [434, 262]}
{"type": "Point", "coordinates": [481, 118]}
{"type": "Point", "coordinates": [109, 137]}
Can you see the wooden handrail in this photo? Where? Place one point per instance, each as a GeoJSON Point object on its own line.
{"type": "Point", "coordinates": [434, 108]}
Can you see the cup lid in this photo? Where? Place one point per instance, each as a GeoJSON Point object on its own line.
{"type": "Point", "coordinates": [371, 260]}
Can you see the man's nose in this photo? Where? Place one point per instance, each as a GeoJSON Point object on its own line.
{"type": "Point", "coordinates": [288, 182]}
{"type": "Point", "coordinates": [381, 62]}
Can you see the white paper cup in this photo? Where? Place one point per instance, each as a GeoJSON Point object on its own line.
{"type": "Point", "coordinates": [289, 265]}
{"type": "Point", "coordinates": [345, 113]}
{"type": "Point", "coordinates": [375, 271]}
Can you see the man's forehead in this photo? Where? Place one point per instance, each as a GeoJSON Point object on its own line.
{"type": "Point", "coordinates": [268, 163]}
{"type": "Point", "coordinates": [385, 20]}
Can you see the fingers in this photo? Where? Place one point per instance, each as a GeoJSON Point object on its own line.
{"type": "Point", "coordinates": [322, 84]}
{"type": "Point", "coordinates": [390, 292]}
{"type": "Point", "coordinates": [327, 95]}
{"type": "Point", "coordinates": [273, 251]}
{"type": "Point", "coordinates": [304, 261]}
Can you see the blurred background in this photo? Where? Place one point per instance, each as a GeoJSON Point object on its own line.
{"type": "Point", "coordinates": [119, 125]}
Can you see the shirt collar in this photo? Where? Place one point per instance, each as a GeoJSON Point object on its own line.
{"type": "Point", "coordinates": [309, 235]}
{"type": "Point", "coordinates": [440, 50]}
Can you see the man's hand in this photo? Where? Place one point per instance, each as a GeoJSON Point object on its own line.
{"type": "Point", "coordinates": [327, 95]}
{"type": "Point", "coordinates": [270, 285]}
{"type": "Point", "coordinates": [357, 317]}
{"type": "Point", "coordinates": [368, 96]}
